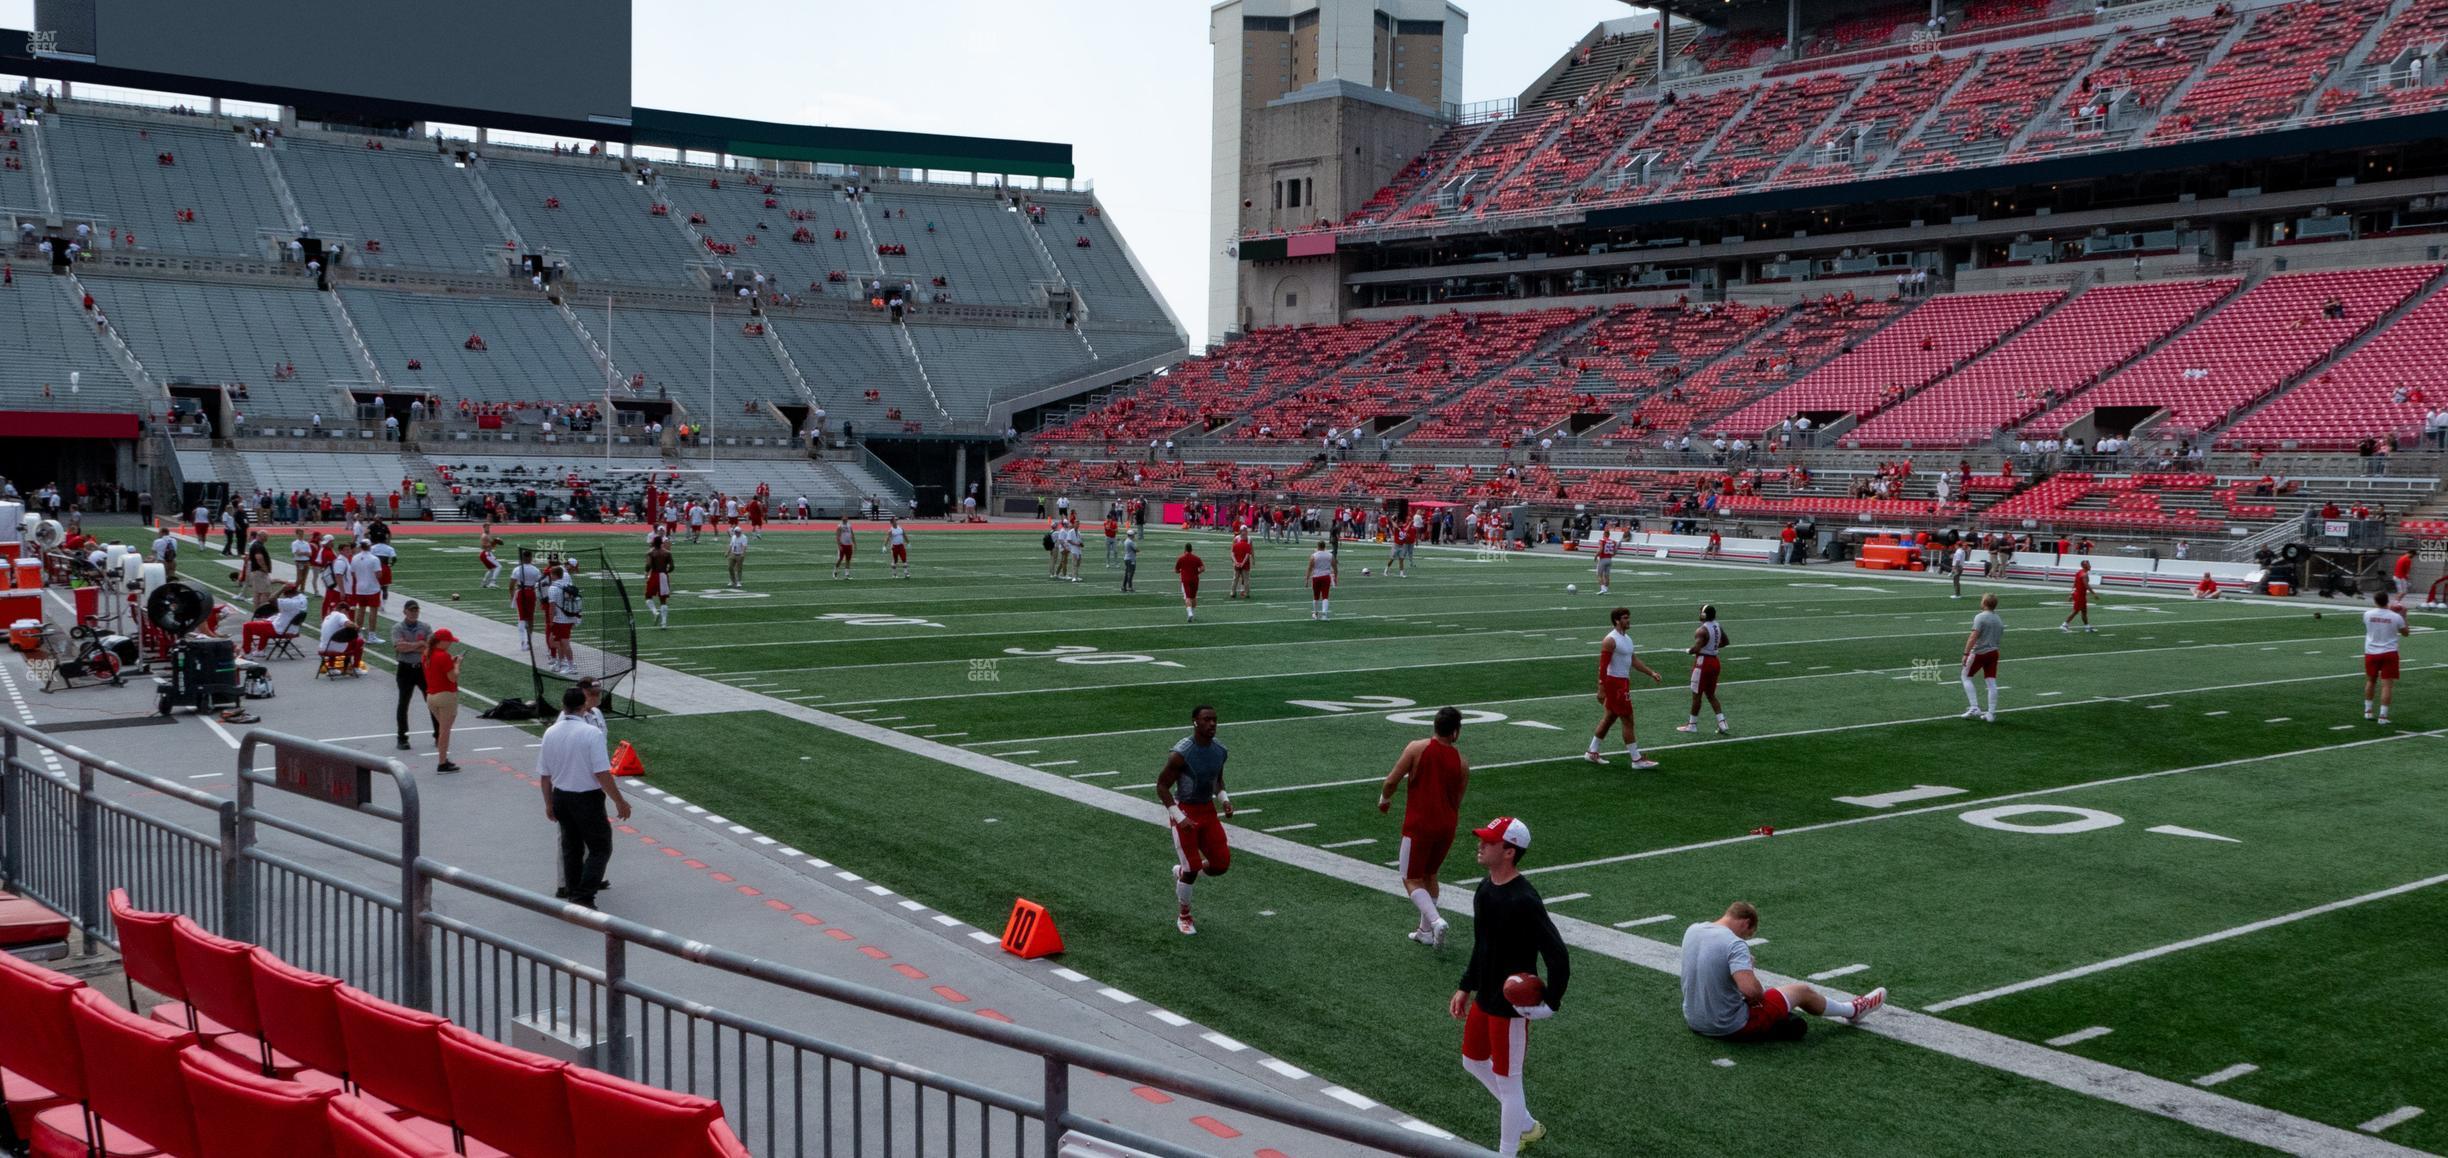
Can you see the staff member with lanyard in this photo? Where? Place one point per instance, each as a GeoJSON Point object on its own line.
{"type": "Point", "coordinates": [576, 767]}
{"type": "Point", "coordinates": [408, 639]}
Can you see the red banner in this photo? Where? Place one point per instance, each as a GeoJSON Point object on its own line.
{"type": "Point", "coordinates": [61, 424]}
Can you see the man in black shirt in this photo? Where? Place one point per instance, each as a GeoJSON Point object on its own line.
{"type": "Point", "coordinates": [1511, 934]}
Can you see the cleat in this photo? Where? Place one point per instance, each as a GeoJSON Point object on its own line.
{"type": "Point", "coordinates": [1593, 757]}
{"type": "Point", "coordinates": [1183, 923]}
{"type": "Point", "coordinates": [1972, 713]}
{"type": "Point", "coordinates": [1688, 729]}
{"type": "Point", "coordinates": [1989, 717]}
{"type": "Point", "coordinates": [1724, 730]}
{"type": "Point", "coordinates": [1868, 1003]}
{"type": "Point", "coordinates": [2066, 629]}
{"type": "Point", "coordinates": [1419, 936]}
{"type": "Point", "coordinates": [1536, 1133]}
{"type": "Point", "coordinates": [1436, 934]}
{"type": "Point", "coordinates": [1643, 764]}
{"type": "Point", "coordinates": [2092, 630]}
{"type": "Point", "coordinates": [2367, 714]}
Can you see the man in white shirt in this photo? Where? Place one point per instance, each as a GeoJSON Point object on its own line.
{"type": "Point", "coordinates": [365, 590]}
{"type": "Point", "coordinates": [1321, 582]}
{"type": "Point", "coordinates": [574, 765]}
{"type": "Point", "coordinates": [165, 552]}
{"type": "Point", "coordinates": [2384, 628]}
{"type": "Point", "coordinates": [342, 649]}
{"type": "Point", "coordinates": [737, 549]}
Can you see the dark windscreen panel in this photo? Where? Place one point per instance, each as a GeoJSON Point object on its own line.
{"type": "Point", "coordinates": [549, 58]}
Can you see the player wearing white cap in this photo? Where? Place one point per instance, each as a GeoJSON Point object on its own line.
{"type": "Point", "coordinates": [1510, 934]}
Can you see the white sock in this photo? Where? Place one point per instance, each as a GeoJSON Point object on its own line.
{"type": "Point", "coordinates": [1721, 719]}
{"type": "Point", "coordinates": [1427, 908]}
{"type": "Point", "coordinates": [2367, 707]}
{"type": "Point", "coordinates": [1181, 889]}
{"type": "Point", "coordinates": [1632, 750]}
{"type": "Point", "coordinates": [1992, 695]}
{"type": "Point", "coordinates": [1835, 1008]}
{"type": "Point", "coordinates": [1694, 718]}
{"type": "Point", "coordinates": [1971, 694]}
{"type": "Point", "coordinates": [1593, 745]}
{"type": "Point", "coordinates": [1325, 606]}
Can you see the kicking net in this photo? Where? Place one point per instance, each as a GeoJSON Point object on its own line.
{"type": "Point", "coordinates": [600, 644]}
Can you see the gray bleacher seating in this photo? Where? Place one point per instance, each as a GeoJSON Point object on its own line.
{"type": "Point", "coordinates": [407, 196]}
{"type": "Point", "coordinates": [319, 472]}
{"type": "Point", "coordinates": [669, 347]}
{"type": "Point", "coordinates": [842, 360]}
{"type": "Point", "coordinates": [225, 332]}
{"type": "Point", "coordinates": [978, 247]}
{"type": "Point", "coordinates": [531, 354]}
{"type": "Point", "coordinates": [1102, 272]}
{"type": "Point", "coordinates": [737, 211]}
{"type": "Point", "coordinates": [971, 366]}
{"type": "Point", "coordinates": [603, 225]}
{"type": "Point", "coordinates": [18, 188]}
{"type": "Point", "coordinates": [108, 167]}
{"type": "Point", "coordinates": [47, 339]}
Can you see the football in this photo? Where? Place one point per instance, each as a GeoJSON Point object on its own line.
{"type": "Point", "coordinates": [1572, 589]}
{"type": "Point", "coordinates": [1364, 570]}
{"type": "Point", "coordinates": [1525, 989]}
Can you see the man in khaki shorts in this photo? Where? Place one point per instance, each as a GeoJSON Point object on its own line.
{"type": "Point", "coordinates": [442, 693]}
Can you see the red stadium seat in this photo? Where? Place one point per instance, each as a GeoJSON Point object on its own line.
{"type": "Point", "coordinates": [300, 1013]}
{"type": "Point", "coordinates": [24, 922]}
{"type": "Point", "coordinates": [395, 1054]}
{"type": "Point", "coordinates": [149, 955]}
{"type": "Point", "coordinates": [132, 1078]}
{"type": "Point", "coordinates": [614, 1115]}
{"type": "Point", "coordinates": [507, 1097]}
{"type": "Point", "coordinates": [220, 977]}
{"type": "Point", "coordinates": [40, 1066]}
{"type": "Point", "coordinates": [359, 1131]}
{"type": "Point", "coordinates": [244, 1115]}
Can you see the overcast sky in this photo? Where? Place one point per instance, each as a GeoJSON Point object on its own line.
{"type": "Point", "coordinates": [1126, 83]}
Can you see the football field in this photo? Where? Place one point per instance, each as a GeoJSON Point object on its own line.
{"type": "Point", "coordinates": [2179, 853]}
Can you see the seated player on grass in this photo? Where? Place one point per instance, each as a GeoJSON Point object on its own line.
{"type": "Point", "coordinates": [1723, 998]}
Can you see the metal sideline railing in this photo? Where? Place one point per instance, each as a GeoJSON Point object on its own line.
{"type": "Point", "coordinates": [64, 842]}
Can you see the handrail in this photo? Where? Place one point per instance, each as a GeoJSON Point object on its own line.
{"type": "Point", "coordinates": [1064, 1050]}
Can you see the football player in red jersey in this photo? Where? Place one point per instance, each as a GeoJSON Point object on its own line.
{"type": "Point", "coordinates": [1431, 812]}
{"type": "Point", "coordinates": [1241, 560]}
{"type": "Point", "coordinates": [2082, 600]}
{"type": "Point", "coordinates": [1189, 567]}
{"type": "Point", "coordinates": [1606, 560]}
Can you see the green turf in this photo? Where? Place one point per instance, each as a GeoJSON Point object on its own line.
{"type": "Point", "coordinates": [1840, 684]}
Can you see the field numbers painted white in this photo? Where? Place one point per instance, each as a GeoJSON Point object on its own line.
{"type": "Point", "coordinates": [1083, 654]}
{"type": "Point", "coordinates": [1355, 704]}
{"type": "Point", "coordinates": [1844, 587]}
{"type": "Point", "coordinates": [2081, 819]}
{"type": "Point", "coordinates": [1901, 796]}
{"type": "Point", "coordinates": [728, 593]}
{"type": "Point", "coordinates": [1425, 717]}
{"type": "Point", "coordinates": [874, 619]}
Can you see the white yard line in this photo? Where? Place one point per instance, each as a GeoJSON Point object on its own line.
{"type": "Point", "coordinates": [1575, 696]}
{"type": "Point", "coordinates": [2226, 1075]}
{"type": "Point", "coordinates": [1962, 804]}
{"type": "Point", "coordinates": [2394, 1117]}
{"type": "Point", "coordinates": [2180, 946]}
